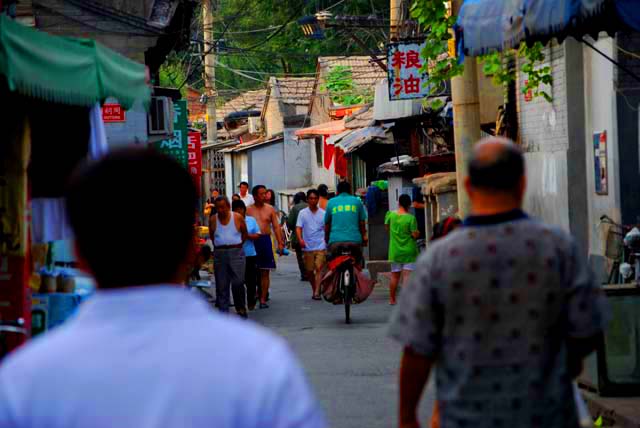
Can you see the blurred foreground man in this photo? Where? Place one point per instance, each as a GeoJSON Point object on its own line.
{"type": "Point", "coordinates": [504, 307]}
{"type": "Point", "coordinates": [144, 352]}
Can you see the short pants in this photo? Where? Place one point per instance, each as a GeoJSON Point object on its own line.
{"type": "Point", "coordinates": [264, 253]}
{"type": "Point", "coordinates": [314, 261]}
{"type": "Point", "coordinates": [399, 267]}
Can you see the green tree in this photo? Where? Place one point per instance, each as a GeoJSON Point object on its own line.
{"type": "Point", "coordinates": [436, 21]}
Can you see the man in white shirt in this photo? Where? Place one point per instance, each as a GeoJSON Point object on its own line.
{"type": "Point", "coordinates": [245, 196]}
{"type": "Point", "coordinates": [310, 232]}
{"type": "Point", "coordinates": [144, 352]}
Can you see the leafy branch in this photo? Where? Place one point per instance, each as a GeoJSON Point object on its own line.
{"type": "Point", "coordinates": [436, 21]}
{"type": "Point", "coordinates": [341, 88]}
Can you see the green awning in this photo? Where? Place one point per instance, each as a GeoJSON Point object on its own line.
{"type": "Point", "coordinates": [67, 70]}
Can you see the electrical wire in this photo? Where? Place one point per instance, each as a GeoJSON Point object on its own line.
{"type": "Point", "coordinates": [631, 54]}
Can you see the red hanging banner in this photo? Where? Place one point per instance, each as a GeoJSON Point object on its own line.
{"type": "Point", "coordinates": [328, 152]}
{"type": "Point", "coordinates": [195, 157]}
{"type": "Point", "coordinates": [341, 163]}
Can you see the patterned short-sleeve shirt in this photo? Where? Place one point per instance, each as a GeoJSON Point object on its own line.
{"type": "Point", "coordinates": [493, 305]}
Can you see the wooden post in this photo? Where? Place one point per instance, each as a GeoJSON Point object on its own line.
{"type": "Point", "coordinates": [208, 9]}
{"type": "Point", "coordinates": [394, 17]}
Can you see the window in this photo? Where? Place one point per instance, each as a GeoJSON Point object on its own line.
{"type": "Point", "coordinates": [319, 149]}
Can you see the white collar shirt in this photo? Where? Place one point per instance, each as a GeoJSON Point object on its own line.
{"type": "Point", "coordinates": [155, 357]}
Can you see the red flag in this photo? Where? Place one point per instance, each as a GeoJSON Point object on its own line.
{"type": "Point", "coordinates": [328, 152]}
{"type": "Point", "coordinates": [341, 163]}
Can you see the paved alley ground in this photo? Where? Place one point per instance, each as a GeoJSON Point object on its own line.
{"type": "Point", "coordinates": [352, 368]}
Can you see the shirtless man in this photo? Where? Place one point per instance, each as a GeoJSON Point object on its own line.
{"type": "Point", "coordinates": [267, 219]}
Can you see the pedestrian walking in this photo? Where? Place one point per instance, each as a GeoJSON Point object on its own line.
{"type": "Point", "coordinates": [323, 191]}
{"type": "Point", "coordinates": [299, 203]}
{"type": "Point", "coordinates": [142, 335]}
{"type": "Point", "coordinates": [403, 249]}
{"type": "Point", "coordinates": [267, 219]}
{"type": "Point", "coordinates": [505, 306]}
{"type": "Point", "coordinates": [251, 275]}
{"type": "Point", "coordinates": [270, 197]}
{"type": "Point", "coordinates": [228, 232]}
{"type": "Point", "coordinates": [310, 234]}
{"type": "Point", "coordinates": [245, 196]}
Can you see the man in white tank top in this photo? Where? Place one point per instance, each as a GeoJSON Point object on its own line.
{"type": "Point", "coordinates": [228, 232]}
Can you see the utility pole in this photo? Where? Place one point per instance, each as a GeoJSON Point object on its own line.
{"type": "Point", "coordinates": [208, 9]}
{"type": "Point", "coordinates": [394, 17]}
{"type": "Point", "coordinates": [466, 121]}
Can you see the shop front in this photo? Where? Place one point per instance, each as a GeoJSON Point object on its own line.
{"type": "Point", "coordinates": [52, 90]}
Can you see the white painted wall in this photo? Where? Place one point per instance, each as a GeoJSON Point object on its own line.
{"type": "Point", "coordinates": [397, 186]}
{"type": "Point", "coordinates": [544, 137]}
{"type": "Point", "coordinates": [131, 132]}
{"type": "Point", "coordinates": [228, 174]}
{"type": "Point", "coordinates": [244, 166]}
{"type": "Point", "coordinates": [600, 115]}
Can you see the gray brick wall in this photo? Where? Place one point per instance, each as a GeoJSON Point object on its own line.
{"type": "Point", "coordinates": [543, 125]}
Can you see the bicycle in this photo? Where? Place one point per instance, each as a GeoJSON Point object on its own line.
{"type": "Point", "coordinates": [15, 327]}
{"type": "Point", "coordinates": [347, 280]}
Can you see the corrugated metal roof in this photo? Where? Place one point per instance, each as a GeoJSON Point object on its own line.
{"type": "Point", "coordinates": [359, 137]}
{"type": "Point", "coordinates": [384, 109]}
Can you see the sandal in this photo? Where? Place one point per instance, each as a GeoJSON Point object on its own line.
{"type": "Point", "coordinates": [316, 298]}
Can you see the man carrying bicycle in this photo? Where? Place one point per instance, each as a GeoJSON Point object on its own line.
{"type": "Point", "coordinates": [345, 223]}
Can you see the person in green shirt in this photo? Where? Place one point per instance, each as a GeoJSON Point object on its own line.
{"type": "Point", "coordinates": [345, 222]}
{"type": "Point", "coordinates": [403, 249]}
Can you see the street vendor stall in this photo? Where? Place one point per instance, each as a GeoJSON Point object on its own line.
{"type": "Point", "coordinates": [51, 88]}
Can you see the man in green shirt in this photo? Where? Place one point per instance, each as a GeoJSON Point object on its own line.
{"type": "Point", "coordinates": [345, 222]}
{"type": "Point", "coordinates": [299, 203]}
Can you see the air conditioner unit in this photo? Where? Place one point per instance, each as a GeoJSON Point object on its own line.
{"type": "Point", "coordinates": [161, 116]}
{"type": "Point", "coordinates": [255, 125]}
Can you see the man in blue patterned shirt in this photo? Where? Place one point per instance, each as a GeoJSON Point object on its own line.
{"type": "Point", "coordinates": [504, 307]}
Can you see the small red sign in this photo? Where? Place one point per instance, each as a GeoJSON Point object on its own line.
{"type": "Point", "coordinates": [113, 113]}
{"type": "Point", "coordinates": [195, 157]}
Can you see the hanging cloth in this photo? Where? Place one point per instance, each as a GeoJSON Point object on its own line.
{"type": "Point", "coordinates": [340, 163]}
{"type": "Point", "coordinates": [49, 215]}
{"type": "Point", "coordinates": [329, 150]}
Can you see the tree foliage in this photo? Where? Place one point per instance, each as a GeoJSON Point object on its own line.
{"type": "Point", "coordinates": [339, 84]}
{"type": "Point", "coordinates": [437, 22]}
{"type": "Point", "coordinates": [288, 51]}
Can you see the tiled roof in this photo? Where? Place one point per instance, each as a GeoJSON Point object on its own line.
{"type": "Point", "coordinates": [250, 100]}
{"type": "Point", "coordinates": [366, 73]}
{"type": "Point", "coordinates": [295, 90]}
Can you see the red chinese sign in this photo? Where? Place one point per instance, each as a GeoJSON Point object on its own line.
{"type": "Point", "coordinates": [113, 113]}
{"type": "Point", "coordinates": [194, 149]}
{"type": "Point", "coordinates": [406, 76]}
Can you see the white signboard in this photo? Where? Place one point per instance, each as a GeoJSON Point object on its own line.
{"type": "Point", "coordinates": [405, 76]}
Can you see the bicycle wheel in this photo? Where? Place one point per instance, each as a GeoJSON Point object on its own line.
{"type": "Point", "coordinates": [346, 295]}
